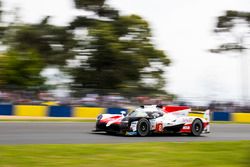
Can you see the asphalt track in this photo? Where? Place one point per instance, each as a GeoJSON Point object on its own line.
{"type": "Point", "coordinates": [59, 133]}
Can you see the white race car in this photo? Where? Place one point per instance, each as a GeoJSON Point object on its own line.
{"type": "Point", "coordinates": [155, 119]}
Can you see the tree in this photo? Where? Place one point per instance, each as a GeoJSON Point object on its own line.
{"type": "Point", "coordinates": [118, 54]}
{"type": "Point", "coordinates": [89, 4]}
{"type": "Point", "coordinates": [28, 43]}
{"type": "Point", "coordinates": [53, 43]}
{"type": "Point", "coordinates": [113, 51]}
{"type": "Point", "coordinates": [21, 70]}
{"type": "Point", "coordinates": [231, 25]}
{"type": "Point", "coordinates": [98, 7]}
{"type": "Point", "coordinates": [226, 24]}
{"type": "Point", "coordinates": [2, 25]}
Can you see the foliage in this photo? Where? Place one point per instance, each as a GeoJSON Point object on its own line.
{"type": "Point", "coordinates": [226, 23]}
{"type": "Point", "coordinates": [97, 6]}
{"type": "Point", "coordinates": [21, 69]}
{"type": "Point", "coordinates": [119, 54]}
{"type": "Point", "coordinates": [116, 53]}
{"type": "Point", "coordinates": [89, 4]}
{"type": "Point", "coordinates": [33, 47]}
{"type": "Point", "coordinates": [53, 43]}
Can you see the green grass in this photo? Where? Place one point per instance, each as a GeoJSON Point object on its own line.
{"type": "Point", "coordinates": [171, 154]}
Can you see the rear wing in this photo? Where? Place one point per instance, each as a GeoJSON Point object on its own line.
{"type": "Point", "coordinates": [201, 114]}
{"type": "Point", "coordinates": [178, 111]}
{"type": "Point", "coordinates": [169, 109]}
{"type": "Point", "coordinates": [186, 111]}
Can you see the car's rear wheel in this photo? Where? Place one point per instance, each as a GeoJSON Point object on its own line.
{"type": "Point", "coordinates": [143, 127]}
{"type": "Point", "coordinates": [197, 127]}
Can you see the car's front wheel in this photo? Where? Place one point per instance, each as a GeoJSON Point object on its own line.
{"type": "Point", "coordinates": [143, 127]}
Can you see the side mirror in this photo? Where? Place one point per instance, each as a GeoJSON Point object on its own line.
{"type": "Point", "coordinates": [124, 113]}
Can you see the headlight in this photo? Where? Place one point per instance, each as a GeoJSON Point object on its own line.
{"type": "Point", "coordinates": [99, 117]}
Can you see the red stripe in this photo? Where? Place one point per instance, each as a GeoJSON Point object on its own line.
{"type": "Point", "coordinates": [106, 120]}
{"type": "Point", "coordinates": [185, 130]}
{"type": "Point", "coordinates": [174, 108]}
{"type": "Point", "coordinates": [205, 124]}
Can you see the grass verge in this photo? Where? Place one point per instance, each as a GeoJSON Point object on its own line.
{"type": "Point", "coordinates": [214, 154]}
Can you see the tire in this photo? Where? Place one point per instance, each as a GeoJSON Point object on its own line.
{"type": "Point", "coordinates": [143, 127]}
{"type": "Point", "coordinates": [197, 127]}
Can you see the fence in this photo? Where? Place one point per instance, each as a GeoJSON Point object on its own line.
{"type": "Point", "coordinates": [56, 111]}
{"type": "Point", "coordinates": [93, 112]}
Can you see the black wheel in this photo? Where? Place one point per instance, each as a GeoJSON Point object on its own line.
{"type": "Point", "coordinates": [197, 127]}
{"type": "Point", "coordinates": [143, 127]}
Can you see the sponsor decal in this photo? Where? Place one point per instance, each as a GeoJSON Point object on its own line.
{"type": "Point", "coordinates": [133, 126]}
{"type": "Point", "coordinates": [186, 127]}
{"type": "Point", "coordinates": [186, 120]}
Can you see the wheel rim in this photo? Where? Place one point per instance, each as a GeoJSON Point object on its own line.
{"type": "Point", "coordinates": [143, 127]}
{"type": "Point", "coordinates": [197, 127]}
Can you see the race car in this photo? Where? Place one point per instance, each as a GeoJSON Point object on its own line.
{"type": "Point", "coordinates": [149, 119]}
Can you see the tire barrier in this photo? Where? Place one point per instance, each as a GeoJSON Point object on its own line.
{"type": "Point", "coordinates": [6, 109]}
{"type": "Point", "coordinates": [30, 110]}
{"type": "Point", "coordinates": [59, 111]}
{"type": "Point", "coordinates": [241, 117]}
{"type": "Point", "coordinates": [87, 112]}
{"type": "Point", "coordinates": [56, 111]}
{"type": "Point", "coordinates": [221, 116]}
{"type": "Point", "coordinates": [93, 112]}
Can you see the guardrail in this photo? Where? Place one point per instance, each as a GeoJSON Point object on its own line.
{"type": "Point", "coordinates": [56, 111]}
{"type": "Point", "coordinates": [93, 112]}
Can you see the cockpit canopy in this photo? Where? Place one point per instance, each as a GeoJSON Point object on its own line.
{"type": "Point", "coordinates": [147, 111]}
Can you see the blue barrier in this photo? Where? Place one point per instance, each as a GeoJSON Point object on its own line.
{"type": "Point", "coordinates": [67, 111]}
{"type": "Point", "coordinates": [6, 109]}
{"type": "Point", "coordinates": [60, 111]}
{"type": "Point", "coordinates": [221, 116]}
{"type": "Point", "coordinates": [115, 110]}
